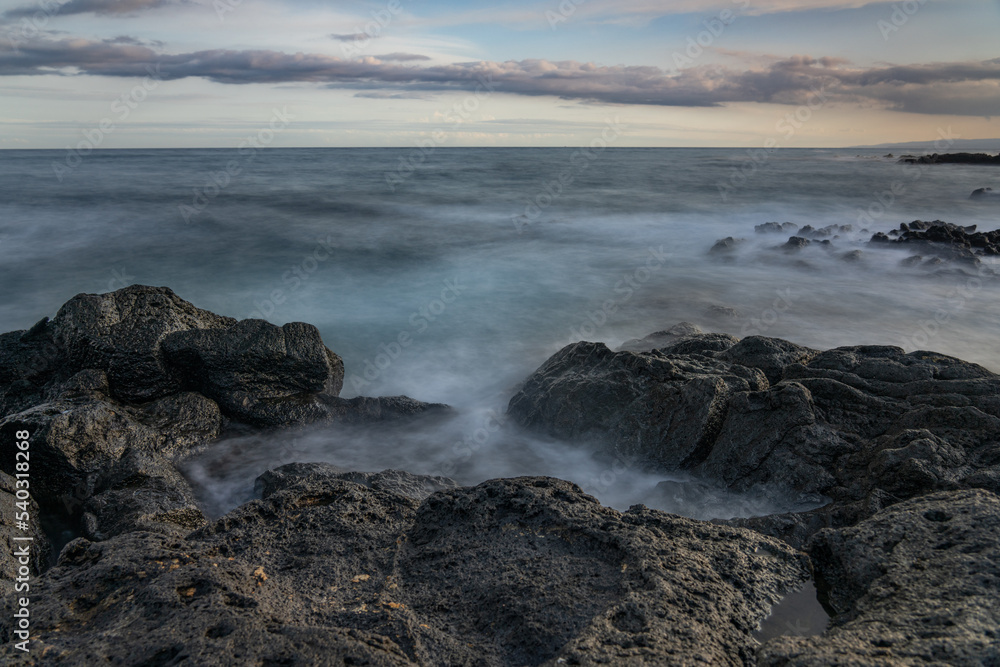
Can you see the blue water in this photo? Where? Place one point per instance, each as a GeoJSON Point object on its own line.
{"type": "Point", "coordinates": [374, 244]}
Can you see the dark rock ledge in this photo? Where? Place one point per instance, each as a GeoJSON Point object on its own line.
{"type": "Point", "coordinates": [335, 567]}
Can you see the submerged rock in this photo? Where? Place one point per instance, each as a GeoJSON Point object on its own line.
{"type": "Point", "coordinates": [517, 571]}
{"type": "Point", "coordinates": [776, 228]}
{"type": "Point", "coordinates": [985, 193]}
{"type": "Point", "coordinates": [726, 245]}
{"type": "Point", "coordinates": [945, 240]}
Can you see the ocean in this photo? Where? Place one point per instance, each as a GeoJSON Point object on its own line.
{"type": "Point", "coordinates": [449, 275]}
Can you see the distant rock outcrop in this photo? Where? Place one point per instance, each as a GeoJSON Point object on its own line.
{"type": "Point", "coordinates": [951, 158]}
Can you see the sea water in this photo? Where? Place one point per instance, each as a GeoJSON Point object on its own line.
{"type": "Point", "coordinates": [450, 276]}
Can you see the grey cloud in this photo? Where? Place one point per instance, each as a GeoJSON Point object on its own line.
{"type": "Point", "coordinates": [402, 57]}
{"type": "Point", "coordinates": [385, 95]}
{"type": "Point", "coordinates": [351, 37]}
{"type": "Point", "coordinates": [106, 7]}
{"type": "Point", "coordinates": [790, 81]}
{"type": "Point", "coordinates": [126, 39]}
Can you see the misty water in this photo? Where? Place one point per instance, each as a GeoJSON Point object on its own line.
{"type": "Point", "coordinates": [484, 264]}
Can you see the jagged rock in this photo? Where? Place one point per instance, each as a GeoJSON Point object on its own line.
{"type": "Point", "coordinates": [252, 365]}
{"type": "Point", "coordinates": [141, 492]}
{"type": "Point", "coordinates": [120, 333]}
{"type": "Point", "coordinates": [77, 441]}
{"type": "Point", "coordinates": [656, 406]}
{"type": "Point", "coordinates": [521, 571]}
{"type": "Point", "coordinates": [858, 425]}
{"type": "Point", "coordinates": [915, 584]}
{"type": "Point", "coordinates": [830, 426]}
{"type": "Point", "coordinates": [149, 343]}
{"type": "Point", "coordinates": [118, 387]}
{"type": "Point", "coordinates": [19, 553]}
{"type": "Point", "coordinates": [796, 243]}
{"type": "Point", "coordinates": [770, 355]}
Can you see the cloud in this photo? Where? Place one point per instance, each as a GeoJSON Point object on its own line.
{"type": "Point", "coordinates": [956, 88]}
{"type": "Point", "coordinates": [385, 95]}
{"type": "Point", "coordinates": [105, 7]}
{"type": "Point", "coordinates": [126, 39]}
{"type": "Point", "coordinates": [402, 57]}
{"type": "Point", "coordinates": [548, 13]}
{"type": "Point", "coordinates": [351, 37]}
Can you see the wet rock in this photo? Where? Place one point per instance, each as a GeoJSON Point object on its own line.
{"type": "Point", "coordinates": [117, 388]}
{"type": "Point", "coordinates": [141, 492]}
{"type": "Point", "coordinates": [776, 228]}
{"type": "Point", "coordinates": [769, 355]}
{"type": "Point", "coordinates": [946, 241]}
{"type": "Point", "coordinates": [254, 364]}
{"type": "Point", "coordinates": [915, 584]}
{"type": "Point", "coordinates": [726, 245]}
{"type": "Point", "coordinates": [700, 344]}
{"type": "Point", "coordinates": [852, 256]}
{"type": "Point", "coordinates": [521, 571]}
{"type": "Point", "coordinates": [796, 243]}
{"type": "Point", "coordinates": [812, 232]}
{"type": "Point", "coordinates": [121, 332]}
{"type": "Point", "coordinates": [984, 193]}
{"type": "Point", "coordinates": [655, 406]}
{"type": "Point", "coordinates": [858, 425]}
{"type": "Point", "coordinates": [76, 441]}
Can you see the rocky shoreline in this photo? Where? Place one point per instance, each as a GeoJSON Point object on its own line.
{"type": "Point", "coordinates": [930, 248]}
{"type": "Point", "coordinates": [332, 566]}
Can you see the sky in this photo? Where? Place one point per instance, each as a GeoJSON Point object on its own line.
{"type": "Point", "coordinates": [283, 73]}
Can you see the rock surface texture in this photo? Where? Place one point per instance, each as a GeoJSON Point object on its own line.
{"type": "Point", "coordinates": [906, 447]}
{"type": "Point", "coordinates": [917, 584]}
{"type": "Point", "coordinates": [324, 571]}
